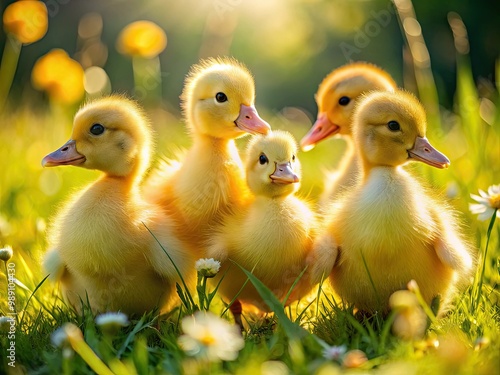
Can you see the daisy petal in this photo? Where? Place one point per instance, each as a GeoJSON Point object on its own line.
{"type": "Point", "coordinates": [477, 208]}
{"type": "Point", "coordinates": [494, 189]}
{"type": "Point", "coordinates": [486, 214]}
{"type": "Point", "coordinates": [483, 194]}
{"type": "Point", "coordinates": [479, 199]}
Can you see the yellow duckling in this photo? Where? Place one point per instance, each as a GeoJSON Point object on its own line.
{"type": "Point", "coordinates": [100, 247]}
{"type": "Point", "coordinates": [273, 233]}
{"type": "Point", "coordinates": [388, 230]}
{"type": "Point", "coordinates": [218, 102]}
{"type": "Point", "coordinates": [336, 98]}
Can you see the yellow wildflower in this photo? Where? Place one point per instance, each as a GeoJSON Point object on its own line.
{"type": "Point", "coordinates": [142, 38]}
{"type": "Point", "coordinates": [60, 76]}
{"type": "Point", "coordinates": [26, 20]}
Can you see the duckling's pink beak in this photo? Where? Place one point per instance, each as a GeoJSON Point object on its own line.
{"type": "Point", "coordinates": [424, 152]}
{"type": "Point", "coordinates": [321, 129]}
{"type": "Point", "coordinates": [283, 174]}
{"type": "Point", "coordinates": [250, 121]}
{"type": "Point", "coordinates": [65, 155]}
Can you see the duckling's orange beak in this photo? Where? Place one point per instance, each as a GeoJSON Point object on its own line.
{"type": "Point", "coordinates": [424, 152]}
{"type": "Point", "coordinates": [321, 129]}
{"type": "Point", "coordinates": [250, 121]}
{"type": "Point", "coordinates": [65, 155]}
{"type": "Point", "coordinates": [283, 174]}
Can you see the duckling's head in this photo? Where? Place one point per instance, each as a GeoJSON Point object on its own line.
{"type": "Point", "coordinates": [389, 130]}
{"type": "Point", "coordinates": [218, 100]}
{"type": "Point", "coordinates": [336, 97]}
{"type": "Point", "coordinates": [272, 166]}
{"type": "Point", "coordinates": [110, 134]}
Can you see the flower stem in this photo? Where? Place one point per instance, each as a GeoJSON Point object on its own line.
{"type": "Point", "coordinates": [10, 57]}
{"type": "Point", "coordinates": [147, 79]}
{"type": "Point", "coordinates": [79, 345]}
{"type": "Point", "coordinates": [202, 292]}
{"type": "Point", "coordinates": [483, 266]}
{"type": "Point", "coordinates": [205, 297]}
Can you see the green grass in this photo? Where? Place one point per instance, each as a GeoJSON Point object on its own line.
{"type": "Point", "coordinates": [466, 340]}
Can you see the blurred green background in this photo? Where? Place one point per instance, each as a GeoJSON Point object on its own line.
{"type": "Point", "coordinates": [289, 45]}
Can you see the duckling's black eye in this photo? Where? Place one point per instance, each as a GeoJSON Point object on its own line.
{"type": "Point", "coordinates": [344, 100]}
{"type": "Point", "coordinates": [293, 158]}
{"type": "Point", "coordinates": [97, 129]}
{"type": "Point", "coordinates": [263, 159]}
{"type": "Point", "coordinates": [221, 97]}
{"type": "Point", "coordinates": [393, 126]}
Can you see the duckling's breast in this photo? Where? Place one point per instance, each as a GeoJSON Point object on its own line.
{"type": "Point", "coordinates": [386, 233]}
{"type": "Point", "coordinates": [101, 231]}
{"type": "Point", "coordinates": [273, 241]}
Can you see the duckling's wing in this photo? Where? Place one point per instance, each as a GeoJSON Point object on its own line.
{"type": "Point", "coordinates": [450, 248]}
{"type": "Point", "coordinates": [54, 265]}
{"type": "Point", "coordinates": [322, 258]}
{"type": "Point", "coordinates": [217, 249]}
{"type": "Point", "coordinates": [452, 253]}
{"type": "Point", "coordinates": [165, 169]}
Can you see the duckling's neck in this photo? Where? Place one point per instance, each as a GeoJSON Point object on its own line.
{"type": "Point", "coordinates": [271, 199]}
{"type": "Point", "coordinates": [122, 184]}
{"type": "Point", "coordinates": [216, 143]}
{"type": "Point", "coordinates": [210, 180]}
{"type": "Point", "coordinates": [350, 163]}
{"type": "Point", "coordinates": [207, 150]}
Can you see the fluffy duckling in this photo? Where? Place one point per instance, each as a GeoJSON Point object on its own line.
{"type": "Point", "coordinates": [101, 250]}
{"type": "Point", "coordinates": [272, 235]}
{"type": "Point", "coordinates": [388, 229]}
{"type": "Point", "coordinates": [336, 98]}
{"type": "Point", "coordinates": [218, 103]}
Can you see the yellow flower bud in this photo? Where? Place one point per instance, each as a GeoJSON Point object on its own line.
{"type": "Point", "coordinates": [142, 38]}
{"type": "Point", "coordinates": [354, 359]}
{"type": "Point", "coordinates": [6, 253]}
{"type": "Point", "coordinates": [26, 20]}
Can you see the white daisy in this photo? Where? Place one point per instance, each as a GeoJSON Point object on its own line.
{"type": "Point", "coordinates": [334, 352]}
{"type": "Point", "coordinates": [207, 335]}
{"type": "Point", "coordinates": [6, 253]}
{"type": "Point", "coordinates": [115, 318]}
{"type": "Point", "coordinates": [207, 267]}
{"type": "Point", "coordinates": [487, 203]}
{"type": "Point", "coordinates": [59, 337]}
{"type": "Point", "coordinates": [111, 322]}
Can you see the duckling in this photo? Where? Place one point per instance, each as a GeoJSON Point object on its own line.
{"type": "Point", "coordinates": [273, 233]}
{"type": "Point", "coordinates": [101, 247]}
{"type": "Point", "coordinates": [336, 98]}
{"type": "Point", "coordinates": [218, 103]}
{"type": "Point", "coordinates": [388, 229]}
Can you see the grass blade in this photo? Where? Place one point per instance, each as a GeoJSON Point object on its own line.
{"type": "Point", "coordinates": [293, 331]}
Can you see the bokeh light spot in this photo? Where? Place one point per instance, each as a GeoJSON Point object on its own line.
{"type": "Point", "coordinates": [96, 81]}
